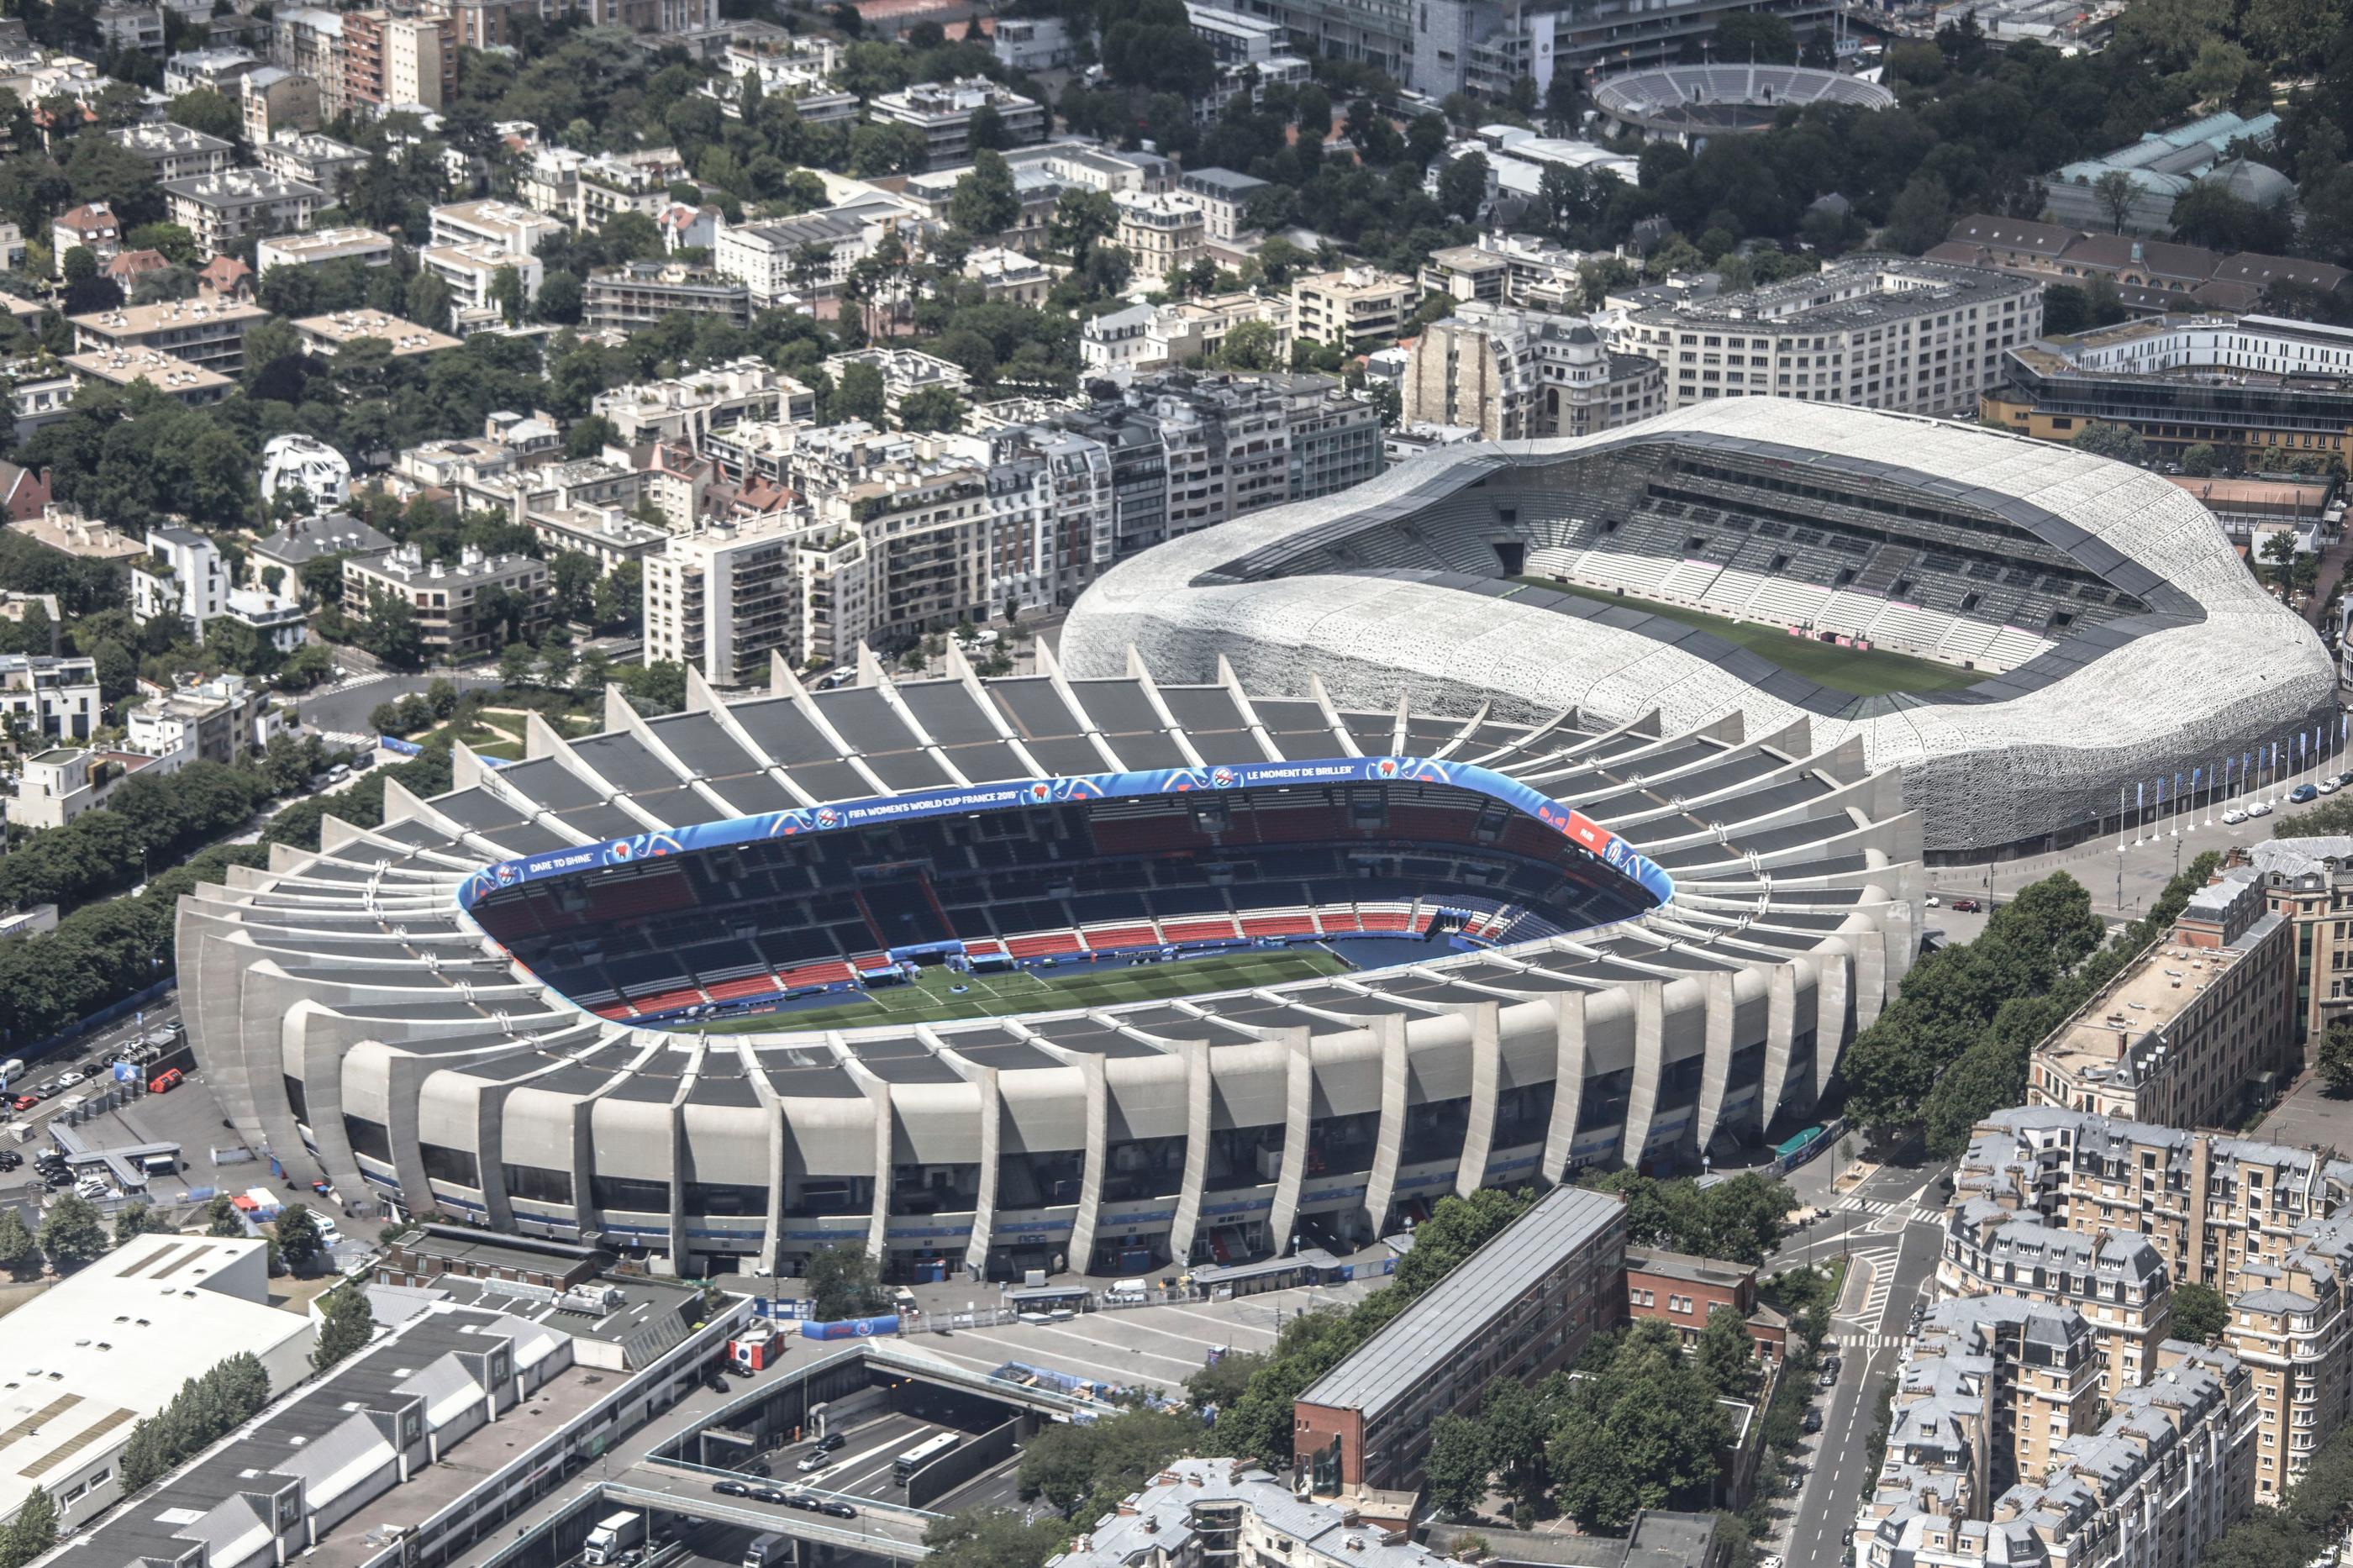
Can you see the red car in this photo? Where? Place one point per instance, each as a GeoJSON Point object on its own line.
{"type": "Point", "coordinates": [24, 1102]}
{"type": "Point", "coordinates": [166, 1081]}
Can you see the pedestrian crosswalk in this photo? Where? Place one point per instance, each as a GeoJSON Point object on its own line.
{"type": "Point", "coordinates": [1880, 1263]}
{"type": "Point", "coordinates": [1860, 1341]}
{"type": "Point", "coordinates": [1902, 1214]}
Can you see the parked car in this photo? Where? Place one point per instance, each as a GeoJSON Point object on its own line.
{"type": "Point", "coordinates": [68, 1080]}
{"type": "Point", "coordinates": [767, 1494]}
{"type": "Point", "coordinates": [2234, 816]}
{"type": "Point", "coordinates": [164, 1082]}
{"type": "Point", "coordinates": [1932, 901]}
{"type": "Point", "coordinates": [1828, 1378]}
{"type": "Point", "coordinates": [1967, 906]}
{"type": "Point", "coordinates": [833, 1509]}
{"type": "Point", "coordinates": [25, 1102]}
{"type": "Point", "coordinates": [2259, 809]}
{"type": "Point", "coordinates": [2301, 794]}
{"type": "Point", "coordinates": [10, 1160]}
{"type": "Point", "coordinates": [1812, 1421]}
{"type": "Point", "coordinates": [2326, 786]}
{"type": "Point", "coordinates": [731, 1488]}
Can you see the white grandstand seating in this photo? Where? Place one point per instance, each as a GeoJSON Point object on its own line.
{"type": "Point", "coordinates": [1848, 613]}
{"type": "Point", "coordinates": [1732, 591]}
{"type": "Point", "coordinates": [1908, 628]}
{"type": "Point", "coordinates": [1787, 603]}
{"type": "Point", "coordinates": [2013, 646]}
{"type": "Point", "coordinates": [1687, 580]}
{"type": "Point", "coordinates": [1966, 642]}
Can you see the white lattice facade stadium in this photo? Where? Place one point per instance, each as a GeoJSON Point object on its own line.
{"type": "Point", "coordinates": [2121, 639]}
{"type": "Point", "coordinates": [358, 1020]}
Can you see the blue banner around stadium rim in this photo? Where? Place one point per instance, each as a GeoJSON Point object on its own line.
{"type": "Point", "coordinates": [1589, 834]}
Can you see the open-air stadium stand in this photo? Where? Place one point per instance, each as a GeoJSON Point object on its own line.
{"type": "Point", "coordinates": [354, 1018]}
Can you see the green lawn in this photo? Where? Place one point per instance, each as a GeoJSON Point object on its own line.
{"type": "Point", "coordinates": [929, 1000]}
{"type": "Point", "coordinates": [1869, 672]}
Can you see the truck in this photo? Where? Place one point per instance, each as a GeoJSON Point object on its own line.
{"type": "Point", "coordinates": [614, 1534]}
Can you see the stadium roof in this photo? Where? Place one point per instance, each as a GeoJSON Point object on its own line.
{"type": "Point", "coordinates": [2214, 666]}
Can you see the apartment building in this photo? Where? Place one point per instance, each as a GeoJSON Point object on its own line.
{"type": "Point", "coordinates": [725, 597]}
{"type": "Point", "coordinates": [448, 599]}
{"type": "Point", "coordinates": [1520, 270]}
{"type": "Point", "coordinates": [1354, 307]}
{"type": "Point", "coordinates": [517, 494]}
{"type": "Point", "coordinates": [175, 378]}
{"type": "Point", "coordinates": [1224, 198]}
{"type": "Point", "coordinates": [783, 261]}
{"type": "Point", "coordinates": [313, 159]}
{"type": "Point", "coordinates": [40, 695]}
{"type": "Point", "coordinates": [1229, 1510]}
{"type": "Point", "coordinates": [1919, 337]}
{"type": "Point", "coordinates": [2001, 1450]}
{"type": "Point", "coordinates": [308, 40]}
{"type": "Point", "coordinates": [2151, 276]}
{"type": "Point", "coordinates": [181, 575]}
{"type": "Point", "coordinates": [641, 293]}
{"type": "Point", "coordinates": [226, 209]}
{"type": "Point", "coordinates": [1334, 438]}
{"type": "Point", "coordinates": [91, 226]}
{"type": "Point", "coordinates": [1514, 374]}
{"type": "Point", "coordinates": [942, 111]}
{"type": "Point", "coordinates": [1190, 332]}
{"type": "Point", "coordinates": [1228, 442]}
{"type": "Point", "coordinates": [2118, 1284]}
{"type": "Point", "coordinates": [339, 329]}
{"type": "Point", "coordinates": [208, 333]}
{"type": "Point", "coordinates": [2309, 883]}
{"type": "Point", "coordinates": [501, 226]}
{"type": "Point", "coordinates": [1163, 235]}
{"type": "Point", "coordinates": [2253, 1221]}
{"type": "Point", "coordinates": [688, 408]}
{"type": "Point", "coordinates": [920, 506]}
{"type": "Point", "coordinates": [2263, 390]}
{"type": "Point", "coordinates": [1048, 524]}
{"type": "Point", "coordinates": [174, 151]}
{"type": "Point", "coordinates": [370, 247]}
{"type": "Point", "coordinates": [1009, 278]}
{"type": "Point", "coordinates": [277, 100]}
{"type": "Point", "coordinates": [212, 721]}
{"type": "Point", "coordinates": [2193, 1032]}
{"type": "Point", "coordinates": [905, 371]}
{"type": "Point", "coordinates": [471, 270]}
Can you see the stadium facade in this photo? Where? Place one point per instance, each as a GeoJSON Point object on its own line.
{"type": "Point", "coordinates": [2127, 654]}
{"type": "Point", "coordinates": [1574, 945]}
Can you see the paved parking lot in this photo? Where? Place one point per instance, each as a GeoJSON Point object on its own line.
{"type": "Point", "coordinates": [1157, 1346]}
{"type": "Point", "coordinates": [2310, 1115]}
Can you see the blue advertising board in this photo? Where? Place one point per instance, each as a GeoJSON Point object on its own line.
{"type": "Point", "coordinates": [1575, 826]}
{"type": "Point", "coordinates": [848, 1328]}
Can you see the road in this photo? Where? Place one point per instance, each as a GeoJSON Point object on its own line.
{"type": "Point", "coordinates": [2122, 884]}
{"type": "Point", "coordinates": [344, 708]}
{"type": "Point", "coordinates": [1888, 1229]}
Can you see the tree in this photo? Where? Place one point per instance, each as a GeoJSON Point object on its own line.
{"type": "Point", "coordinates": [1457, 1466]}
{"type": "Point", "coordinates": [222, 1218]}
{"type": "Point", "coordinates": [1081, 220]}
{"type": "Point", "coordinates": [208, 112]}
{"type": "Point", "coordinates": [985, 133]}
{"type": "Point", "coordinates": [1515, 1425]}
{"type": "Point", "coordinates": [2200, 460]}
{"type": "Point", "coordinates": [19, 1254]}
{"type": "Point", "coordinates": [858, 394]}
{"type": "Point", "coordinates": [346, 1322]}
{"type": "Point", "coordinates": [135, 1220]}
{"type": "Point", "coordinates": [1221, 1381]}
{"type": "Point", "coordinates": [1727, 1356]}
{"type": "Point", "coordinates": [1462, 188]}
{"type": "Point", "coordinates": [994, 1537]}
{"type": "Point", "coordinates": [506, 292]}
{"type": "Point", "coordinates": [33, 1532]}
{"type": "Point", "coordinates": [985, 202]}
{"type": "Point", "coordinates": [1250, 345]}
{"type": "Point", "coordinates": [299, 1236]}
{"type": "Point", "coordinates": [559, 299]}
{"type": "Point", "coordinates": [2334, 1060]}
{"type": "Point", "coordinates": [516, 662]}
{"type": "Point", "coordinates": [1642, 1431]}
{"type": "Point", "coordinates": [843, 1283]}
{"type": "Point", "coordinates": [2106, 440]}
{"type": "Point", "coordinates": [1754, 37]}
{"type": "Point", "coordinates": [72, 1233]}
{"type": "Point", "coordinates": [2199, 1312]}
{"type": "Point", "coordinates": [930, 408]}
{"type": "Point", "coordinates": [2116, 193]}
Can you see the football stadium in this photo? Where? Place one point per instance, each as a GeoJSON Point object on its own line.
{"type": "Point", "coordinates": [1108, 973]}
{"type": "Point", "coordinates": [2034, 638]}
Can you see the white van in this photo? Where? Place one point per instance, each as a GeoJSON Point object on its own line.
{"type": "Point", "coordinates": [1128, 1292]}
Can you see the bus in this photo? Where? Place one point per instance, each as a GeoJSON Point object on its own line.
{"type": "Point", "coordinates": [767, 1550]}
{"type": "Point", "coordinates": [922, 1454]}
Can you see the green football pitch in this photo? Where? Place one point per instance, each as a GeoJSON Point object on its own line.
{"type": "Point", "coordinates": [929, 999]}
{"type": "Point", "coordinates": [1865, 672]}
